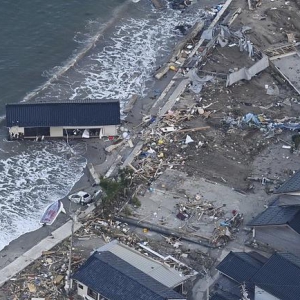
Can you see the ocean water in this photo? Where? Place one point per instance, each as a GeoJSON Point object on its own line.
{"type": "Point", "coordinates": [68, 50]}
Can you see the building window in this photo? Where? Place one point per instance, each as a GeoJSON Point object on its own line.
{"type": "Point", "coordinates": [80, 286]}
{"type": "Point", "coordinates": [92, 294]}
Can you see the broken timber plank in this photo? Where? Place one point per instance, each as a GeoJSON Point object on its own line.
{"type": "Point", "coordinates": [133, 154]}
{"type": "Point", "coordinates": [176, 53]}
{"type": "Point", "coordinates": [212, 25]}
{"type": "Point", "coordinates": [192, 129]}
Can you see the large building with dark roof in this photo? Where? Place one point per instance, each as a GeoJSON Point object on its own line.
{"type": "Point", "coordinates": [117, 272]}
{"type": "Point", "coordinates": [38, 120]}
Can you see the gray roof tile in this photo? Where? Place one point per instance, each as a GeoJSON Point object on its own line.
{"type": "Point", "coordinates": [71, 113]}
{"type": "Point", "coordinates": [279, 215]}
{"type": "Point", "coordinates": [280, 276]}
{"type": "Point", "coordinates": [241, 266]}
{"type": "Point", "coordinates": [116, 279]}
{"type": "Point", "coordinates": [290, 185]}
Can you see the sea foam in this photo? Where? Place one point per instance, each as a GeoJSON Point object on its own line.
{"type": "Point", "coordinates": [114, 68]}
{"type": "Point", "coordinates": [41, 174]}
{"type": "Point", "coordinates": [123, 64]}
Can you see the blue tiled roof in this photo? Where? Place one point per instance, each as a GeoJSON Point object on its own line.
{"type": "Point", "coordinates": [291, 185]}
{"type": "Point", "coordinates": [280, 276]}
{"type": "Point", "coordinates": [279, 215]}
{"type": "Point", "coordinates": [116, 279]}
{"type": "Point", "coordinates": [47, 114]}
{"type": "Point", "coordinates": [241, 266]}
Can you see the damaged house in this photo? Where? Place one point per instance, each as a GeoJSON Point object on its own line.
{"type": "Point", "coordinates": [84, 119]}
{"type": "Point", "coordinates": [117, 272]}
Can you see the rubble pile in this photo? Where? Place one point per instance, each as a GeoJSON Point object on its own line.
{"type": "Point", "coordinates": [227, 230]}
{"type": "Point", "coordinates": [108, 230]}
{"type": "Point", "coordinates": [44, 278]}
{"type": "Point", "coordinates": [160, 143]}
{"type": "Point", "coordinates": [196, 212]}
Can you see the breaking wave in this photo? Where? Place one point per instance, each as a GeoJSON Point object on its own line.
{"type": "Point", "coordinates": [43, 173]}
{"type": "Point", "coordinates": [36, 174]}
{"type": "Point", "coordinates": [124, 63]}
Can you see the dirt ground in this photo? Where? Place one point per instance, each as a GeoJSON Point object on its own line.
{"type": "Point", "coordinates": [270, 22]}
{"type": "Point", "coordinates": [236, 157]}
{"type": "Point", "coordinates": [227, 153]}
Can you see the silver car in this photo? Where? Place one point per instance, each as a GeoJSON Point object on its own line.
{"type": "Point", "coordinates": [81, 197]}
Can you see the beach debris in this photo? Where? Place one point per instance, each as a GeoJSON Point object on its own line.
{"type": "Point", "coordinates": [248, 73]}
{"type": "Point", "coordinates": [227, 229]}
{"type": "Point", "coordinates": [51, 213]}
{"type": "Point", "coordinates": [93, 174]}
{"type": "Point", "coordinates": [181, 51]}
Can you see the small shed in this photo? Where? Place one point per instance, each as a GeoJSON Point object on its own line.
{"type": "Point", "coordinates": [279, 228]}
{"type": "Point", "coordinates": [84, 119]}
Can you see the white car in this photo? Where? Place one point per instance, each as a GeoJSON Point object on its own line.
{"type": "Point", "coordinates": [81, 198]}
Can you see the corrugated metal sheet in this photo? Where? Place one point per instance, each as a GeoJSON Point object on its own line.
{"type": "Point", "coordinates": [49, 114]}
{"type": "Point", "coordinates": [162, 273]}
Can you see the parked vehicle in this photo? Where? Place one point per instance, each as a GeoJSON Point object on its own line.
{"type": "Point", "coordinates": [81, 197]}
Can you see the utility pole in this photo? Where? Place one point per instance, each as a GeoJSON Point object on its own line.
{"type": "Point", "coordinates": [68, 281]}
{"type": "Point", "coordinates": [207, 285]}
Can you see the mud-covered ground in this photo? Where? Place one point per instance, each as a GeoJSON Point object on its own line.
{"type": "Point", "coordinates": [225, 152]}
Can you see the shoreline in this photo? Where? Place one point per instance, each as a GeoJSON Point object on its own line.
{"type": "Point", "coordinates": [101, 163]}
{"type": "Point", "coordinates": [27, 240]}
